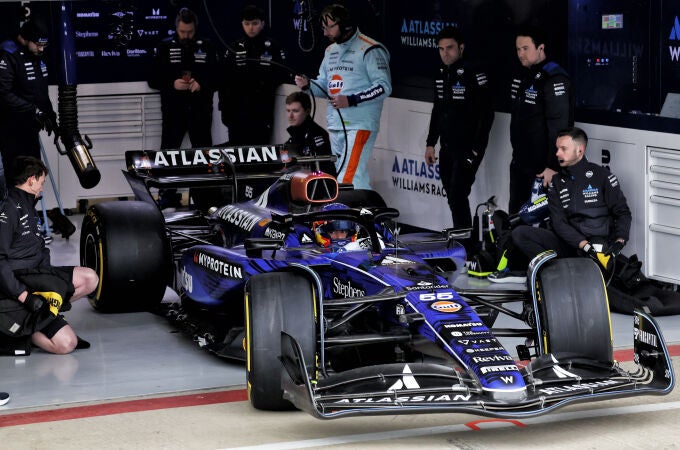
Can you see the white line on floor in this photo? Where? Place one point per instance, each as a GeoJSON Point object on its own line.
{"type": "Point", "coordinates": [396, 434]}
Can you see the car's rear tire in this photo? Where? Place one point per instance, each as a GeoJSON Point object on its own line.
{"type": "Point", "coordinates": [574, 309]}
{"type": "Point", "coordinates": [126, 244]}
{"type": "Point", "coordinates": [275, 302]}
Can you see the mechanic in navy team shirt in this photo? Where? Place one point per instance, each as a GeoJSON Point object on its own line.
{"type": "Point", "coordinates": [542, 104]}
{"type": "Point", "coordinates": [307, 138]}
{"type": "Point", "coordinates": [184, 70]}
{"type": "Point", "coordinates": [355, 76]}
{"type": "Point", "coordinates": [25, 106]}
{"type": "Point", "coordinates": [251, 73]}
{"type": "Point", "coordinates": [26, 276]}
{"type": "Point", "coordinates": [462, 115]}
{"type": "Point", "coordinates": [586, 205]}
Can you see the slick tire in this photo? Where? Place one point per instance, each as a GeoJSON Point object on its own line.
{"type": "Point", "coordinates": [574, 309]}
{"type": "Point", "coordinates": [125, 243]}
{"type": "Point", "coordinates": [275, 302]}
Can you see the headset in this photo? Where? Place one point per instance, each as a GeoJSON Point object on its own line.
{"type": "Point", "coordinates": [340, 15]}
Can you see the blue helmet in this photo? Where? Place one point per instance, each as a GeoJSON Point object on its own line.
{"type": "Point", "coordinates": [323, 229]}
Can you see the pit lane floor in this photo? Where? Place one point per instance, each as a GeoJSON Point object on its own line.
{"type": "Point", "coordinates": [144, 385]}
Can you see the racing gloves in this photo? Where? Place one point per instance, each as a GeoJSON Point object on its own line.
{"type": "Point", "coordinates": [615, 248]}
{"type": "Point", "coordinates": [34, 302]}
{"type": "Point", "coordinates": [47, 120]}
{"type": "Point", "coordinates": [53, 300]}
{"type": "Point", "coordinates": [47, 301]}
{"type": "Point", "coordinates": [606, 255]}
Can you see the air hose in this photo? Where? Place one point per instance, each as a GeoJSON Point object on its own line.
{"type": "Point", "coordinates": [75, 146]}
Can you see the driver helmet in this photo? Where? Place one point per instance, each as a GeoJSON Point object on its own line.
{"type": "Point", "coordinates": [335, 233]}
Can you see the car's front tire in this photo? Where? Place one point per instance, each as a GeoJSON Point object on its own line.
{"type": "Point", "coordinates": [275, 302]}
{"type": "Point", "coordinates": [574, 310]}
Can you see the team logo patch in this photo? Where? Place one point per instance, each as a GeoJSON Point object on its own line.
{"type": "Point", "coordinates": [446, 306]}
{"type": "Point", "coordinates": [589, 174]}
{"type": "Point", "coordinates": [335, 84]}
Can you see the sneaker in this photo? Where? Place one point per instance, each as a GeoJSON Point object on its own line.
{"type": "Point", "coordinates": [4, 398]}
{"type": "Point", "coordinates": [478, 267]}
{"type": "Point", "coordinates": [47, 239]}
{"type": "Point", "coordinates": [508, 276]}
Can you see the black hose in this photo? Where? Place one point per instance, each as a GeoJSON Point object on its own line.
{"type": "Point", "coordinates": [75, 147]}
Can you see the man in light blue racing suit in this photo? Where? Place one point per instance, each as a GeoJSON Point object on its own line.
{"type": "Point", "coordinates": [355, 75]}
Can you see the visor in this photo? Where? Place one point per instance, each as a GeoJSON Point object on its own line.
{"type": "Point", "coordinates": [339, 225]}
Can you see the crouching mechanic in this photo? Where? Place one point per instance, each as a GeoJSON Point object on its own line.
{"type": "Point", "coordinates": [587, 208]}
{"type": "Point", "coordinates": [38, 290]}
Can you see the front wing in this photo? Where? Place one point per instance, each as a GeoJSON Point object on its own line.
{"type": "Point", "coordinates": [408, 388]}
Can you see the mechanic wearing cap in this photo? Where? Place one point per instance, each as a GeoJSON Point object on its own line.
{"type": "Point", "coordinates": [586, 205]}
{"type": "Point", "coordinates": [32, 291]}
{"type": "Point", "coordinates": [25, 106]}
{"type": "Point", "coordinates": [355, 76]}
{"type": "Point", "coordinates": [251, 75]}
{"type": "Point", "coordinates": [542, 104]}
{"type": "Point", "coordinates": [461, 119]}
{"type": "Point", "coordinates": [307, 138]}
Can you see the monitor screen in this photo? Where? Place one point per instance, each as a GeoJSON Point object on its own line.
{"type": "Point", "coordinates": [612, 21]}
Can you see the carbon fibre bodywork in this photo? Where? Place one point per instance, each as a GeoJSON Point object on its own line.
{"type": "Point", "coordinates": [392, 334]}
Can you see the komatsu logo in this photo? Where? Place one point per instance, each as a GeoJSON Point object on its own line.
{"type": "Point", "coordinates": [187, 280]}
{"type": "Point", "coordinates": [346, 289]}
{"type": "Point", "coordinates": [171, 158]}
{"type": "Point", "coordinates": [218, 266]}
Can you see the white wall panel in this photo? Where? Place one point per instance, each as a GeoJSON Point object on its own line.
{"type": "Point", "coordinates": [132, 121]}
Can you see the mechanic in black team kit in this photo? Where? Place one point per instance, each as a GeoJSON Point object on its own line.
{"type": "Point", "coordinates": [32, 291]}
{"type": "Point", "coordinates": [25, 106]}
{"type": "Point", "coordinates": [183, 69]}
{"type": "Point", "coordinates": [249, 82]}
{"type": "Point", "coordinates": [306, 136]}
{"type": "Point", "coordinates": [462, 115]}
{"type": "Point", "coordinates": [542, 104]}
{"type": "Point", "coordinates": [586, 205]}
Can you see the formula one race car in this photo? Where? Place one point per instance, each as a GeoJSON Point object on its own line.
{"type": "Point", "coordinates": [337, 313]}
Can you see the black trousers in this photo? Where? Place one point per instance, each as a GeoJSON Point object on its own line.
{"type": "Point", "coordinates": [458, 177]}
{"type": "Point", "coordinates": [521, 182]}
{"type": "Point", "coordinates": [534, 240]}
{"type": "Point", "coordinates": [180, 119]}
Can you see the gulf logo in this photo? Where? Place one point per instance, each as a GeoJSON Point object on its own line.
{"type": "Point", "coordinates": [335, 84]}
{"type": "Point", "coordinates": [445, 306]}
